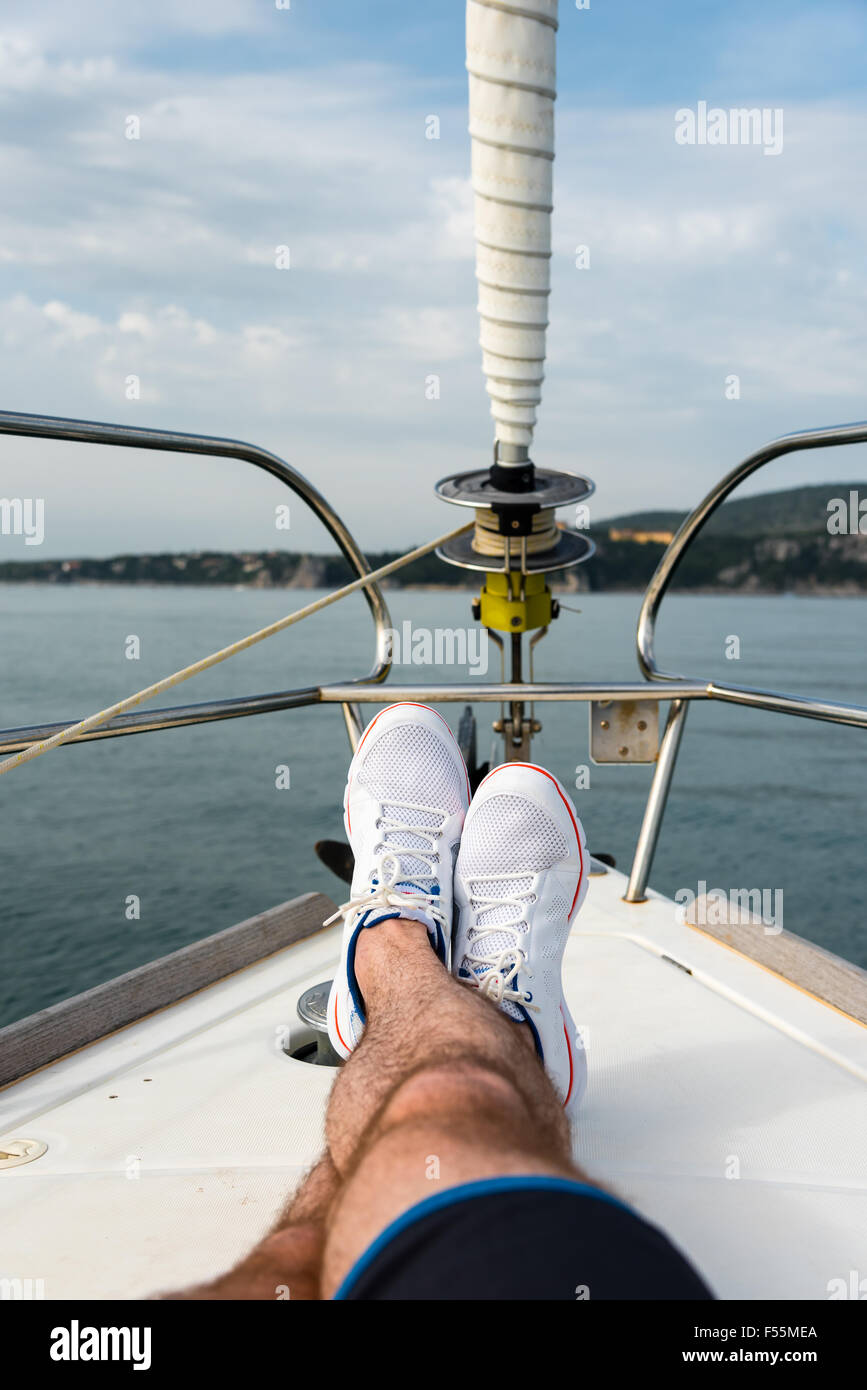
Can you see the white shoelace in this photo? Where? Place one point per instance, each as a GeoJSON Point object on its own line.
{"type": "Point", "coordinates": [382, 890]}
{"type": "Point", "coordinates": [496, 973]}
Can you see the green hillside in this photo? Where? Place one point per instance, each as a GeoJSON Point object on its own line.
{"type": "Point", "coordinates": [795, 511]}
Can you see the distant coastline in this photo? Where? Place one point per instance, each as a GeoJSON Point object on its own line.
{"type": "Point", "coordinates": [811, 591]}
{"type": "Point", "coordinates": [823, 566]}
{"type": "Point", "coordinates": [774, 543]}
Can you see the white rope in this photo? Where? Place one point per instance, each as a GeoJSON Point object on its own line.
{"type": "Point", "coordinates": [487, 539]}
{"type": "Point", "coordinates": [511, 60]}
{"type": "Point", "coordinates": [93, 721]}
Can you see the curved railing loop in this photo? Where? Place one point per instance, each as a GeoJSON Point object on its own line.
{"type": "Point", "coordinates": [173, 441]}
{"type": "Point", "coordinates": [665, 570]}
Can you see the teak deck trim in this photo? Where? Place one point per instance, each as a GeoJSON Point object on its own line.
{"type": "Point", "coordinates": [63, 1028]}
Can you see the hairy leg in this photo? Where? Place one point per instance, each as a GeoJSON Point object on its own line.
{"type": "Point", "coordinates": [286, 1264]}
{"type": "Point", "coordinates": [418, 1015]}
{"type": "Point", "coordinates": [444, 1089]}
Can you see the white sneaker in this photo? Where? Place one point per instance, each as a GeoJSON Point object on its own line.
{"type": "Point", "coordinates": [406, 796]}
{"type": "Point", "coordinates": [521, 876]}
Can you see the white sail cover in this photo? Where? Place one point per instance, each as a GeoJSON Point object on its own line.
{"type": "Point", "coordinates": [511, 60]}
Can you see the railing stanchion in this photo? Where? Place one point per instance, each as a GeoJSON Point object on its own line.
{"type": "Point", "coordinates": [354, 723]}
{"type": "Point", "coordinates": [656, 802]}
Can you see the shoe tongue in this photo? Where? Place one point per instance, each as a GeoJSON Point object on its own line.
{"type": "Point", "coordinates": [484, 939]}
{"type": "Point", "coordinates": [399, 842]}
{"type": "Point", "coordinates": [484, 935]}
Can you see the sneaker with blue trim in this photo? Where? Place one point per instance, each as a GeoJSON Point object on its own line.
{"type": "Point", "coordinates": [406, 797]}
{"type": "Point", "coordinates": [521, 877]}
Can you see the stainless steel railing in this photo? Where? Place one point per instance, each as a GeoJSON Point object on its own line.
{"type": "Point", "coordinates": [172, 441]}
{"type": "Point", "coordinates": [667, 567]}
{"type": "Point", "coordinates": [804, 706]}
{"type": "Point", "coordinates": [658, 684]}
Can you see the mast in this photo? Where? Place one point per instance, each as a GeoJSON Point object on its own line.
{"type": "Point", "coordinates": [511, 61]}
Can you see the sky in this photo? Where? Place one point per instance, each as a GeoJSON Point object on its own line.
{"type": "Point", "coordinates": [304, 127]}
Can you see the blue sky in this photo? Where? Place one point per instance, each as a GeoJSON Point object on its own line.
{"type": "Point", "coordinates": [305, 127]}
{"type": "Point", "coordinates": [618, 51]}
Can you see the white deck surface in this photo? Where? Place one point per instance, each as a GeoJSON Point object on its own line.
{"type": "Point", "coordinates": [693, 1079]}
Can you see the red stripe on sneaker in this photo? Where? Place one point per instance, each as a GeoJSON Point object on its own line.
{"type": "Point", "coordinates": [337, 1026]}
{"type": "Point", "coordinates": [405, 704]}
{"type": "Point", "coordinates": [534, 768]}
{"type": "Point", "coordinates": [569, 1050]}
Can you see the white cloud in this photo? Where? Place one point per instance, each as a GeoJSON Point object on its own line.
{"type": "Point", "coordinates": [70, 325]}
{"type": "Point", "coordinates": [93, 24]}
{"type": "Point", "coordinates": [156, 257]}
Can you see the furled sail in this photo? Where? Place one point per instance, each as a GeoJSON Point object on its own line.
{"type": "Point", "coordinates": [511, 60]}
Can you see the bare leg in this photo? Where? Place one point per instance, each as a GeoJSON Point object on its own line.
{"type": "Point", "coordinates": [286, 1263]}
{"type": "Point", "coordinates": [444, 1089]}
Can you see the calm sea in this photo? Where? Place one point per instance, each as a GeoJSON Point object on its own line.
{"type": "Point", "coordinates": [192, 823]}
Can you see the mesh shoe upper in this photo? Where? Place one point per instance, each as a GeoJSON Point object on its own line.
{"type": "Point", "coordinates": [521, 874]}
{"type": "Point", "coordinates": [413, 775]}
{"type": "Point", "coordinates": [504, 833]}
{"type": "Point", "coordinates": [406, 798]}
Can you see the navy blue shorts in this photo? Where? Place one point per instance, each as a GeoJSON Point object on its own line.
{"type": "Point", "coordinates": [522, 1238]}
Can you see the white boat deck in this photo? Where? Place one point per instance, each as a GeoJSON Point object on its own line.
{"type": "Point", "coordinates": [725, 1104]}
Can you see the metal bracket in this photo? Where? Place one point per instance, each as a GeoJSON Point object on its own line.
{"type": "Point", "coordinates": [624, 731]}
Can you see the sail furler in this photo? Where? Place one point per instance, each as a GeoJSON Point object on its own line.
{"type": "Point", "coordinates": [511, 61]}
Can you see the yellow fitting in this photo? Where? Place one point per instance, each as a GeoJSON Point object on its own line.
{"type": "Point", "coordinates": [502, 608]}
